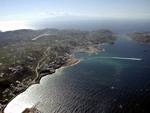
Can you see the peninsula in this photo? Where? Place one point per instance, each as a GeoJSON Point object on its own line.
{"type": "Point", "coordinates": [142, 37]}
{"type": "Point", "coordinates": [27, 55]}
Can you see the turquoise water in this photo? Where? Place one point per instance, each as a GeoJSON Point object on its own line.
{"type": "Point", "coordinates": [113, 81]}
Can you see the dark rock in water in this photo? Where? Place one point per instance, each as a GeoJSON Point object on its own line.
{"type": "Point", "coordinates": [31, 110]}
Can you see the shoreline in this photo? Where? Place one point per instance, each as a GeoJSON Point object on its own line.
{"type": "Point", "coordinates": [70, 62]}
{"type": "Point", "coordinates": [33, 59]}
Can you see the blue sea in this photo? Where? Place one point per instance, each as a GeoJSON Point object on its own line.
{"type": "Point", "coordinates": [116, 80]}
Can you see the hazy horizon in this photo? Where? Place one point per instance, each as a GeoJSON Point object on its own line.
{"type": "Point", "coordinates": [30, 14]}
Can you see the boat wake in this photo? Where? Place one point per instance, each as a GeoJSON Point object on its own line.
{"type": "Point", "coordinates": [122, 58]}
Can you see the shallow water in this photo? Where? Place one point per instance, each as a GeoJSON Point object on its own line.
{"type": "Point", "coordinates": [108, 82]}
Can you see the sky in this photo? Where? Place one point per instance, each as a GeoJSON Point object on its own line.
{"type": "Point", "coordinates": [16, 14]}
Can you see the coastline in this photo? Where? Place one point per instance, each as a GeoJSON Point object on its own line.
{"type": "Point", "coordinates": [70, 62]}
{"type": "Point", "coordinates": [33, 58]}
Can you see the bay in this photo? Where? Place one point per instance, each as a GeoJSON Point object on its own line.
{"type": "Point", "coordinates": [107, 82]}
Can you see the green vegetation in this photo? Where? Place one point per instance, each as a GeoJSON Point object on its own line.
{"type": "Point", "coordinates": [27, 55]}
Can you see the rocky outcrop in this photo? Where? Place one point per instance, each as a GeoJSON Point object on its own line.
{"type": "Point", "coordinates": [31, 110]}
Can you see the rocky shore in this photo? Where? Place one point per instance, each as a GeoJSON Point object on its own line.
{"type": "Point", "coordinates": [33, 109]}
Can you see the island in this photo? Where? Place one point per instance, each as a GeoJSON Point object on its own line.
{"type": "Point", "coordinates": [27, 55]}
{"type": "Point", "coordinates": [141, 37]}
